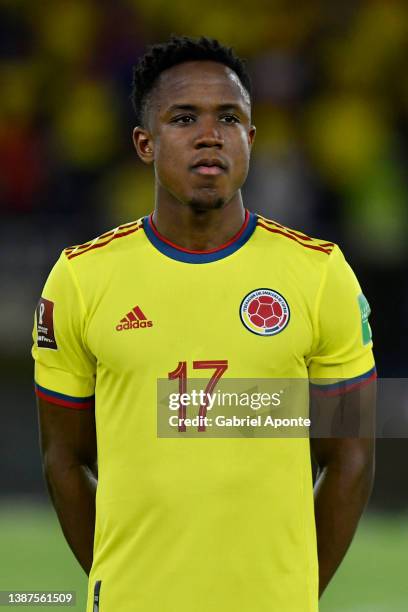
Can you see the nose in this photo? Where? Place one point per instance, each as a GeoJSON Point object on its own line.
{"type": "Point", "coordinates": [209, 135]}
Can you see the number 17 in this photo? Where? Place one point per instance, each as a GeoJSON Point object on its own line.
{"type": "Point", "coordinates": [219, 366]}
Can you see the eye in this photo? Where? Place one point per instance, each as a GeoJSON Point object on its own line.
{"type": "Point", "coordinates": [230, 119]}
{"type": "Point", "coordinates": [183, 119]}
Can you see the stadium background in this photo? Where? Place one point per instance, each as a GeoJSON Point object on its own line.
{"type": "Point", "coordinates": [331, 108]}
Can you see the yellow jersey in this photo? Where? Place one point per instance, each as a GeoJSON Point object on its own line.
{"type": "Point", "coordinates": [183, 524]}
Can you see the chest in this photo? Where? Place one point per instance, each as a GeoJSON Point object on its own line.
{"type": "Point", "coordinates": [255, 317]}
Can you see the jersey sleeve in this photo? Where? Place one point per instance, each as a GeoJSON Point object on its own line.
{"type": "Point", "coordinates": [342, 350]}
{"type": "Point", "coordinates": [64, 366]}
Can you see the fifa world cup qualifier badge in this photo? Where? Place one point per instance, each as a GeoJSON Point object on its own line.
{"type": "Point", "coordinates": [264, 312]}
{"type": "Point", "coordinates": [45, 325]}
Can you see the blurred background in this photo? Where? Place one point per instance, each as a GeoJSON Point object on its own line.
{"type": "Point", "coordinates": [331, 107]}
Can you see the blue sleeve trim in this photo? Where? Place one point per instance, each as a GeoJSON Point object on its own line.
{"type": "Point", "coordinates": [345, 385]}
{"type": "Point", "coordinates": [61, 399]}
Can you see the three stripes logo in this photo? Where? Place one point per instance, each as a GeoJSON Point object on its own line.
{"type": "Point", "coordinates": [134, 319]}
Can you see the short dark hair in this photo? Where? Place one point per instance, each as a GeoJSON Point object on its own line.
{"type": "Point", "coordinates": [177, 50]}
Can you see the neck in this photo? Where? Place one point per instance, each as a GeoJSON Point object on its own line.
{"type": "Point", "coordinates": [197, 229]}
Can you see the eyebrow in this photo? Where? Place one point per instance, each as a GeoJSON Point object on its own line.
{"type": "Point", "coordinates": [193, 107]}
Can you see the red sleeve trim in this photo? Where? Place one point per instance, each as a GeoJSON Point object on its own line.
{"type": "Point", "coordinates": [344, 386]}
{"type": "Point", "coordinates": [67, 401]}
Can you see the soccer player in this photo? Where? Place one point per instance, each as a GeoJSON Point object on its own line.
{"type": "Point", "coordinates": [200, 287]}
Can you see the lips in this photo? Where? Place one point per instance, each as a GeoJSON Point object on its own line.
{"type": "Point", "coordinates": [208, 170]}
{"type": "Point", "coordinates": [209, 166]}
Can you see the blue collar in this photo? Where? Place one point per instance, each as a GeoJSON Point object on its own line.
{"type": "Point", "coordinates": [180, 254]}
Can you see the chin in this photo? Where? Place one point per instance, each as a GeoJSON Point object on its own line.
{"type": "Point", "coordinates": [202, 204]}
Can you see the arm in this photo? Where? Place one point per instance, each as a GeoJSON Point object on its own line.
{"type": "Point", "coordinates": [68, 446]}
{"type": "Point", "coordinates": [345, 477]}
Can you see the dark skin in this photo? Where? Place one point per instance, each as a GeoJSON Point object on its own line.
{"type": "Point", "coordinates": [68, 445]}
{"type": "Point", "coordinates": [345, 476]}
{"type": "Point", "coordinates": [198, 136]}
{"type": "Point", "coordinates": [199, 112]}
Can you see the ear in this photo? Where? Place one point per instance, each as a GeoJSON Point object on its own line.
{"type": "Point", "coordinates": [143, 142]}
{"type": "Point", "coordinates": [251, 135]}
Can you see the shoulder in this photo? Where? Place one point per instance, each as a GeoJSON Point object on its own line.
{"type": "Point", "coordinates": [294, 240]}
{"type": "Point", "coordinates": [106, 243]}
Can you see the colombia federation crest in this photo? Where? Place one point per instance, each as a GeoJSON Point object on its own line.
{"type": "Point", "coordinates": [264, 312]}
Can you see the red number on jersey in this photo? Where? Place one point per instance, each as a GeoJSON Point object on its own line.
{"type": "Point", "coordinates": [219, 365]}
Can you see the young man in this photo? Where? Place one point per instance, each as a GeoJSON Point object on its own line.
{"type": "Point", "coordinates": [182, 524]}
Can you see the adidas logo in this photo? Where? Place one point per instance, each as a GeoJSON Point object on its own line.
{"type": "Point", "coordinates": [133, 320]}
